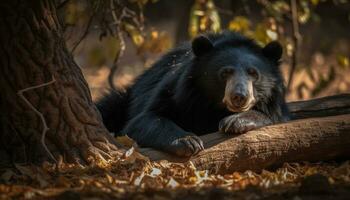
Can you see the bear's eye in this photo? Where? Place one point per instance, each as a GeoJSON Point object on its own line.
{"type": "Point", "coordinates": [252, 72]}
{"type": "Point", "coordinates": [226, 72]}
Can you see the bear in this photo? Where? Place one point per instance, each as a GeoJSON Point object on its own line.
{"type": "Point", "coordinates": [218, 82]}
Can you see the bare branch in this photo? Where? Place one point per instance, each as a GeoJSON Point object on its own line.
{"type": "Point", "coordinates": [86, 32]}
{"type": "Point", "coordinates": [120, 37]}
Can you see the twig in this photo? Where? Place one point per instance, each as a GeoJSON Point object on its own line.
{"type": "Point", "coordinates": [296, 40]}
{"type": "Point", "coordinates": [86, 32]}
{"type": "Point", "coordinates": [120, 37]}
{"type": "Point", "coordinates": [120, 13]}
{"type": "Point", "coordinates": [41, 116]}
{"type": "Point", "coordinates": [116, 59]}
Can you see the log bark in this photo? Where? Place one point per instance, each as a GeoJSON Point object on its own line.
{"type": "Point", "coordinates": [321, 107]}
{"type": "Point", "coordinates": [306, 139]}
{"type": "Point", "coordinates": [47, 113]}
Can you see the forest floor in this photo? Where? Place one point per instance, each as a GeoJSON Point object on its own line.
{"type": "Point", "coordinates": [135, 177]}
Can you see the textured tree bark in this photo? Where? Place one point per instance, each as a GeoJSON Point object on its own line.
{"type": "Point", "coordinates": [46, 109]}
{"type": "Point", "coordinates": [321, 107]}
{"type": "Point", "coordinates": [309, 139]}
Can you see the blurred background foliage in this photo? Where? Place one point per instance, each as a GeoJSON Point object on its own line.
{"type": "Point", "coordinates": [126, 36]}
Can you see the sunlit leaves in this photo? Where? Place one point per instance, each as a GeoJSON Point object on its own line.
{"type": "Point", "coordinates": [203, 17]}
{"type": "Point", "coordinates": [266, 32]}
{"type": "Point", "coordinates": [134, 33]}
{"type": "Point", "coordinates": [240, 24]}
{"type": "Point", "coordinates": [281, 22]}
{"type": "Point", "coordinates": [272, 23]}
{"type": "Point", "coordinates": [280, 10]}
{"type": "Point", "coordinates": [343, 61]}
{"type": "Point", "coordinates": [277, 9]}
{"type": "Point", "coordinates": [263, 32]}
{"type": "Point", "coordinates": [136, 174]}
{"type": "Point", "coordinates": [156, 42]}
{"type": "Point", "coordinates": [304, 12]}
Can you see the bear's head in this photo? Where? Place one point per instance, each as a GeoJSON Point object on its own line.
{"type": "Point", "coordinates": [235, 72]}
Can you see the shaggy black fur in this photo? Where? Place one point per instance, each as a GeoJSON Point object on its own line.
{"type": "Point", "coordinates": [180, 96]}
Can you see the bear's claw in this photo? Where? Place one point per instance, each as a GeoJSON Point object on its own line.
{"type": "Point", "coordinates": [187, 146]}
{"type": "Point", "coordinates": [243, 122]}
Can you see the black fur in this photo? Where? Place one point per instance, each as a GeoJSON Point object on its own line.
{"type": "Point", "coordinates": [180, 96]}
{"type": "Point", "coordinates": [113, 108]}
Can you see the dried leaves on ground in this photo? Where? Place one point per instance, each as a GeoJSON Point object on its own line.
{"type": "Point", "coordinates": [135, 177]}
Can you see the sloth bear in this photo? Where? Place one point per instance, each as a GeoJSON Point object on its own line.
{"type": "Point", "coordinates": [222, 82]}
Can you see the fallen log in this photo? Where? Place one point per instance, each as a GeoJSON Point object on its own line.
{"type": "Point", "coordinates": [320, 107]}
{"type": "Point", "coordinates": [306, 139]}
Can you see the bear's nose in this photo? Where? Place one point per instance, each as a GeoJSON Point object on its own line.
{"type": "Point", "coordinates": [239, 99]}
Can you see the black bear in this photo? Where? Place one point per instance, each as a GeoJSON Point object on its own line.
{"type": "Point", "coordinates": [220, 82]}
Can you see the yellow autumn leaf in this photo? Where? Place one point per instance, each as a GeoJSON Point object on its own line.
{"type": "Point", "coordinates": [343, 61]}
{"type": "Point", "coordinates": [240, 24]}
{"type": "Point", "coordinates": [134, 33]}
{"type": "Point", "coordinates": [203, 17]}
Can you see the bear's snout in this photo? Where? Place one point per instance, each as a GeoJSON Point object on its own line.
{"type": "Point", "coordinates": [239, 100]}
{"type": "Point", "coordinates": [238, 97]}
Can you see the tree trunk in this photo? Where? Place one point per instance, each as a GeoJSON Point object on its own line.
{"type": "Point", "coordinates": [46, 109]}
{"type": "Point", "coordinates": [307, 139]}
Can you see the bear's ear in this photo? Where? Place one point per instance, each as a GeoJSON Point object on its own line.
{"type": "Point", "coordinates": [273, 51]}
{"type": "Point", "coordinates": [201, 45]}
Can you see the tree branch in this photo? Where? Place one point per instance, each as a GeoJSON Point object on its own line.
{"type": "Point", "coordinates": [309, 139]}
{"type": "Point", "coordinates": [119, 36]}
{"type": "Point", "coordinates": [86, 32]}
